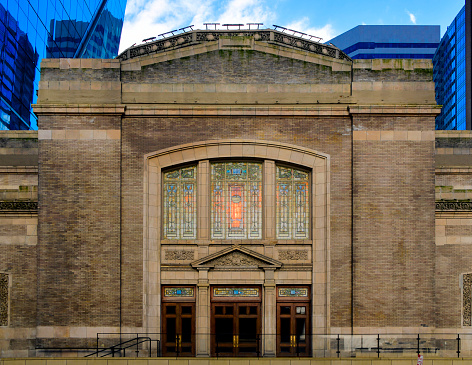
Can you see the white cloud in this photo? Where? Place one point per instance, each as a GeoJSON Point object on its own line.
{"type": "Point", "coordinates": [412, 17]}
{"type": "Point", "coordinates": [148, 18]}
{"type": "Point", "coordinates": [302, 25]}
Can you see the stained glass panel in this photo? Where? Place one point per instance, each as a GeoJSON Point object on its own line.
{"type": "Point", "coordinates": [292, 203]}
{"type": "Point", "coordinates": [236, 200]}
{"type": "Point", "coordinates": [180, 218]}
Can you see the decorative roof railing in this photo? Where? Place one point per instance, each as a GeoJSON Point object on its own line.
{"type": "Point", "coordinates": [194, 37]}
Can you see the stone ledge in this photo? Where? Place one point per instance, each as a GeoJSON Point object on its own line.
{"type": "Point", "coordinates": [78, 109]}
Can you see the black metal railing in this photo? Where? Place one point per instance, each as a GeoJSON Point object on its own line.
{"type": "Point", "coordinates": [136, 345]}
{"type": "Point", "coordinates": [282, 345]}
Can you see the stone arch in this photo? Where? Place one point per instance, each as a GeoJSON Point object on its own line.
{"type": "Point", "coordinates": [317, 162]}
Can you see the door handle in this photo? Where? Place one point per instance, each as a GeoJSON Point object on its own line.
{"type": "Point", "coordinates": [235, 341]}
{"type": "Point", "coordinates": [178, 341]}
{"type": "Point", "coordinates": [293, 340]}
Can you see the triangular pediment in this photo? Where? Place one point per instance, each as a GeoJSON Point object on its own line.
{"type": "Point", "coordinates": [236, 257]}
{"type": "Point", "coordinates": [269, 41]}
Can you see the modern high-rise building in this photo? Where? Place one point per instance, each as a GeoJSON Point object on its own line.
{"type": "Point", "coordinates": [389, 41]}
{"type": "Point", "coordinates": [452, 74]}
{"type": "Point", "coordinates": [34, 29]}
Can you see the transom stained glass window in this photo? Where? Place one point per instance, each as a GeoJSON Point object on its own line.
{"type": "Point", "coordinates": [180, 203]}
{"type": "Point", "coordinates": [236, 200]}
{"type": "Point", "coordinates": [292, 203]}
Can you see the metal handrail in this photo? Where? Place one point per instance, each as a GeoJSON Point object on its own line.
{"type": "Point", "coordinates": [111, 350]}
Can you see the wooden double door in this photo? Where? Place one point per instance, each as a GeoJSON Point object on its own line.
{"type": "Point", "coordinates": [178, 337]}
{"type": "Point", "coordinates": [236, 329]}
{"type": "Point", "coordinates": [293, 329]}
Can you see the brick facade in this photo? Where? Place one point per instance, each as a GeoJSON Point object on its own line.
{"type": "Point", "coordinates": [364, 130]}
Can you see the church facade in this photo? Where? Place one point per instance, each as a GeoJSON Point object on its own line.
{"type": "Point", "coordinates": [234, 194]}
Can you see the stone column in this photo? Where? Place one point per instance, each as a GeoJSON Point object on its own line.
{"type": "Point", "coordinates": [202, 329]}
{"type": "Point", "coordinates": [270, 314]}
{"type": "Point", "coordinates": [203, 176]}
{"type": "Point", "coordinates": [269, 200]}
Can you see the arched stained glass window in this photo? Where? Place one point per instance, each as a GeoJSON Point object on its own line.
{"type": "Point", "coordinates": [236, 200]}
{"type": "Point", "coordinates": [293, 217]}
{"type": "Point", "coordinates": [180, 207]}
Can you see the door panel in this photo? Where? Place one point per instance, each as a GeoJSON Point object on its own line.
{"type": "Point", "coordinates": [178, 327]}
{"type": "Point", "coordinates": [293, 338]}
{"type": "Point", "coordinates": [236, 329]}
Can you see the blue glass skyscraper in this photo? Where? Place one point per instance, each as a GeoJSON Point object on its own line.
{"type": "Point", "coordinates": [389, 41]}
{"type": "Point", "coordinates": [450, 71]}
{"type": "Point", "coordinates": [34, 29]}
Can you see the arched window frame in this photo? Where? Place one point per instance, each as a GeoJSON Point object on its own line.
{"type": "Point", "coordinates": [237, 188]}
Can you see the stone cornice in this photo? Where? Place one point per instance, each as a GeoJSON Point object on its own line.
{"type": "Point", "coordinates": [107, 109]}
{"type": "Point", "coordinates": [195, 111]}
{"type": "Point", "coordinates": [395, 109]}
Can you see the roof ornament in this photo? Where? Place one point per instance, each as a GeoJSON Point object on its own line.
{"type": "Point", "coordinates": [233, 25]}
{"type": "Point", "coordinates": [258, 24]}
{"type": "Point", "coordinates": [207, 24]}
{"type": "Point", "coordinates": [296, 33]}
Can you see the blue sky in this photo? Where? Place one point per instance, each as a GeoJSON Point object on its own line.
{"type": "Point", "coordinates": [322, 18]}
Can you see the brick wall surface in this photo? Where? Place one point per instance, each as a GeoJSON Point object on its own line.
{"type": "Point", "coordinates": [393, 227]}
{"type": "Point", "coordinates": [79, 241]}
{"type": "Point", "coordinates": [236, 67]}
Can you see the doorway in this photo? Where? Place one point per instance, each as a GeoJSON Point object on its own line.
{"type": "Point", "coordinates": [178, 328]}
{"type": "Point", "coordinates": [236, 325]}
{"type": "Point", "coordinates": [293, 323]}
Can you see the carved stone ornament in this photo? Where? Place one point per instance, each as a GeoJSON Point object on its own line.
{"type": "Point", "coordinates": [293, 255]}
{"type": "Point", "coordinates": [235, 259]}
{"type": "Point", "coordinates": [179, 255]}
{"type": "Point", "coordinates": [195, 37]}
{"type": "Point", "coordinates": [466, 300]}
{"type": "Point", "coordinates": [18, 205]}
{"type": "Point", "coordinates": [453, 205]}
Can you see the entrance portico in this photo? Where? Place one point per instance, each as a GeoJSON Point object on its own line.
{"type": "Point", "coordinates": [245, 313]}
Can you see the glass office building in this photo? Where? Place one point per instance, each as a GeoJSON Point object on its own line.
{"type": "Point", "coordinates": [34, 29]}
{"type": "Point", "coordinates": [389, 41]}
{"type": "Point", "coordinates": [450, 75]}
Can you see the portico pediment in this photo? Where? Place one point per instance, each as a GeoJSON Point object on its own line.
{"type": "Point", "coordinates": [236, 257]}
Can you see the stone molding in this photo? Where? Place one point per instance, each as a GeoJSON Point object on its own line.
{"type": "Point", "coordinates": [202, 111]}
{"type": "Point", "coordinates": [393, 136]}
{"type": "Point", "coordinates": [79, 134]}
{"type": "Point", "coordinates": [81, 109]}
{"type": "Point", "coordinates": [395, 109]}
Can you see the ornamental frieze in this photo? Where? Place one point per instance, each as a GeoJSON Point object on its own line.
{"type": "Point", "coordinates": [197, 37]}
{"type": "Point", "coordinates": [179, 255]}
{"type": "Point", "coordinates": [293, 255]}
{"type": "Point", "coordinates": [18, 206]}
{"type": "Point", "coordinates": [453, 205]}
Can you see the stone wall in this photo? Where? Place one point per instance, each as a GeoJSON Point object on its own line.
{"type": "Point", "coordinates": [18, 240]}
{"type": "Point", "coordinates": [453, 227]}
